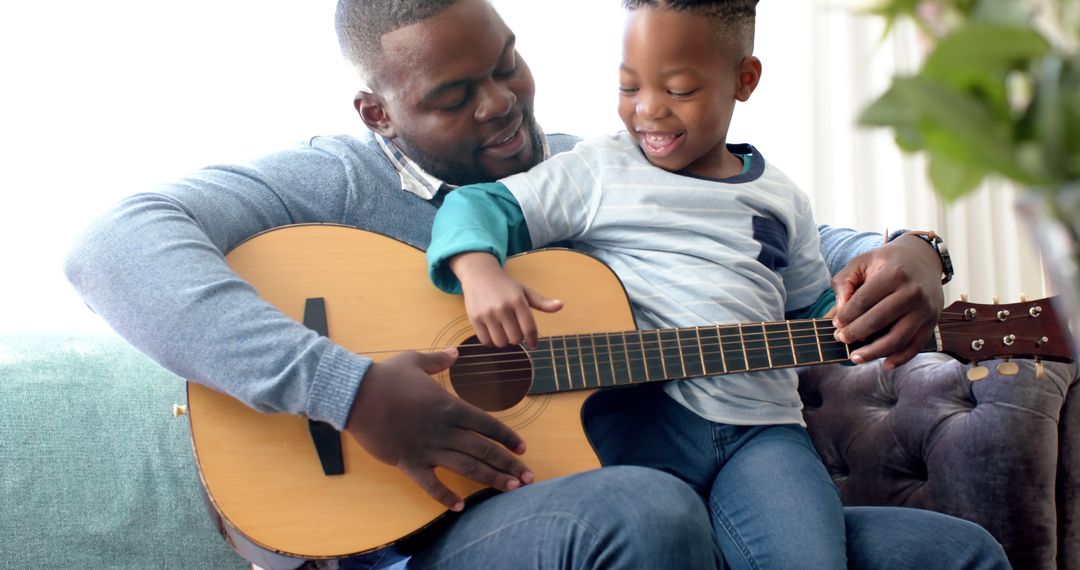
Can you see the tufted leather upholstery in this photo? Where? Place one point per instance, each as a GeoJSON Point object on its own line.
{"type": "Point", "coordinates": [1003, 452]}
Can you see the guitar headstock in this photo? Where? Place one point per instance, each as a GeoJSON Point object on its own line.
{"type": "Point", "coordinates": [971, 332]}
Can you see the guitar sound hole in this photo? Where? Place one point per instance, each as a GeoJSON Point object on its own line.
{"type": "Point", "coordinates": [492, 379]}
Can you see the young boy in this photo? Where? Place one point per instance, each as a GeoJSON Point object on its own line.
{"type": "Point", "coordinates": [700, 232]}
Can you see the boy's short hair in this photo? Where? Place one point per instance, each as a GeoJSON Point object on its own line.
{"type": "Point", "coordinates": [734, 19]}
{"type": "Point", "coordinates": [361, 24]}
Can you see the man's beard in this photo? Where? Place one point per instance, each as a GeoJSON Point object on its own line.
{"type": "Point", "coordinates": [459, 173]}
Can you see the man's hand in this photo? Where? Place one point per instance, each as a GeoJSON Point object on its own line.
{"type": "Point", "coordinates": [499, 308]}
{"type": "Point", "coordinates": [895, 290]}
{"type": "Point", "coordinates": [404, 418]}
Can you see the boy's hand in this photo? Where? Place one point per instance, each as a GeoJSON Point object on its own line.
{"type": "Point", "coordinates": [894, 290]}
{"type": "Point", "coordinates": [499, 308]}
{"type": "Point", "coordinates": [404, 418]}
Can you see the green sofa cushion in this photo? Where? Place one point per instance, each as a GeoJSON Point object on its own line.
{"type": "Point", "coordinates": [95, 472]}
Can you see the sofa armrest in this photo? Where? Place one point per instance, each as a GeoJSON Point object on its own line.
{"type": "Point", "coordinates": [94, 471]}
{"type": "Point", "coordinates": [924, 436]}
{"type": "Point", "coordinates": [1068, 487]}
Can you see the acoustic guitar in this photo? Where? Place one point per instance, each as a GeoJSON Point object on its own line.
{"type": "Point", "coordinates": [305, 491]}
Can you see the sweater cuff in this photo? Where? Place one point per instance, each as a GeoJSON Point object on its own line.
{"type": "Point", "coordinates": [337, 380]}
{"type": "Point", "coordinates": [460, 241]}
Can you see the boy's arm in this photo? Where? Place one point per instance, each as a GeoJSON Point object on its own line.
{"type": "Point", "coordinates": [816, 310]}
{"type": "Point", "coordinates": [478, 218]}
{"type": "Point", "coordinates": [474, 231]}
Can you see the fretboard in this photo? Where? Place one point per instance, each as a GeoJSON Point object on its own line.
{"type": "Point", "coordinates": [586, 361]}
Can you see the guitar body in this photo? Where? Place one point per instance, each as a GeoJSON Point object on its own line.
{"type": "Point", "coordinates": [261, 471]}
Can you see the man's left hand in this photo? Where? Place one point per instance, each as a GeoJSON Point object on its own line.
{"type": "Point", "coordinates": [894, 290]}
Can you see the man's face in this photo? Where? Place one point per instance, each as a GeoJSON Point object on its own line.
{"type": "Point", "coordinates": [459, 97]}
{"type": "Point", "coordinates": [678, 91]}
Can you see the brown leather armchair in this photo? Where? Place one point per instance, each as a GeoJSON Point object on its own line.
{"type": "Point", "coordinates": [1003, 452]}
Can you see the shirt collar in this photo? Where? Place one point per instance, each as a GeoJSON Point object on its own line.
{"type": "Point", "coordinates": [417, 181]}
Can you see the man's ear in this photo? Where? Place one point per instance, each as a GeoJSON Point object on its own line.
{"type": "Point", "coordinates": [372, 110]}
{"type": "Point", "coordinates": [749, 74]}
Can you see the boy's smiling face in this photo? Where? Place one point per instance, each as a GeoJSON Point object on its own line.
{"type": "Point", "coordinates": [678, 88]}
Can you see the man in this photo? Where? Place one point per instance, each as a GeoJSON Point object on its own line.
{"type": "Point", "coordinates": [449, 101]}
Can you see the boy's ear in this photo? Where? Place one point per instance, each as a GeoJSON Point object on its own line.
{"type": "Point", "coordinates": [749, 74]}
{"type": "Point", "coordinates": [372, 110]}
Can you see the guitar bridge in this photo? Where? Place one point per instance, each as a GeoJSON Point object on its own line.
{"type": "Point", "coordinates": [327, 440]}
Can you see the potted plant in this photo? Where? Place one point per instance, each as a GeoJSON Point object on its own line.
{"type": "Point", "coordinates": [998, 95]}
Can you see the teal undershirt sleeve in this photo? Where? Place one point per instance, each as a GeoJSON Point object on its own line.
{"type": "Point", "coordinates": [817, 309]}
{"type": "Point", "coordinates": [479, 217]}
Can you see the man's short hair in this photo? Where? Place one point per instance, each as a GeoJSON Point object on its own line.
{"type": "Point", "coordinates": [361, 24]}
{"type": "Point", "coordinates": [733, 19]}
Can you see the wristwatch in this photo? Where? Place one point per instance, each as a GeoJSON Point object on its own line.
{"type": "Point", "coordinates": [938, 244]}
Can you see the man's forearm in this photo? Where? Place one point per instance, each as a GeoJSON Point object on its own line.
{"type": "Point", "coordinates": [840, 245]}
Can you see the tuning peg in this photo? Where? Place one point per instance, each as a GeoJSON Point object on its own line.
{"type": "Point", "coordinates": [964, 297]}
{"type": "Point", "coordinates": [1023, 298]}
{"type": "Point", "coordinates": [1040, 369]}
{"type": "Point", "coordinates": [976, 373]}
{"type": "Point", "coordinates": [1007, 368]}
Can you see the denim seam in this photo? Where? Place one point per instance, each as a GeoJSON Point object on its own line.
{"type": "Point", "coordinates": [725, 524]}
{"type": "Point", "coordinates": [729, 529]}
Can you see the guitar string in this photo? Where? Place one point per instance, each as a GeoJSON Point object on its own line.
{"type": "Point", "coordinates": [583, 356]}
{"type": "Point", "coordinates": [653, 355]}
{"type": "Point", "coordinates": [823, 333]}
{"type": "Point", "coordinates": [634, 360]}
{"type": "Point", "coordinates": [586, 362]}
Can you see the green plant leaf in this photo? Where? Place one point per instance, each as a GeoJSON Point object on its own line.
{"type": "Point", "coordinates": [891, 110]}
{"type": "Point", "coordinates": [943, 111]}
{"type": "Point", "coordinates": [953, 179]}
{"type": "Point", "coordinates": [982, 55]}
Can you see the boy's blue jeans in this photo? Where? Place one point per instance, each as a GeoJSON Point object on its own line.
{"type": "Point", "coordinates": [761, 493]}
{"type": "Point", "coordinates": [771, 501]}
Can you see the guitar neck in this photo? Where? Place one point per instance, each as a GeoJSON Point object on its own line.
{"type": "Point", "coordinates": [600, 360]}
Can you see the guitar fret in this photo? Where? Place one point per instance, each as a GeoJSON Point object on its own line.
{"type": "Point", "coordinates": [833, 349]}
{"type": "Point", "coordinates": [611, 360]}
{"type": "Point", "coordinates": [732, 349]}
{"type": "Point", "coordinates": [806, 345]}
{"type": "Point", "coordinates": [742, 342]}
{"type": "Point", "coordinates": [688, 342]}
{"type": "Point", "coordinates": [626, 358]}
{"type": "Point", "coordinates": [768, 351]}
{"type": "Point", "coordinates": [701, 350]}
{"type": "Point", "coordinates": [660, 352]}
{"type": "Point", "coordinates": [757, 349]}
{"type": "Point", "coordinates": [817, 339]}
{"type": "Point", "coordinates": [644, 357]}
{"type": "Point", "coordinates": [582, 353]}
{"type": "Point", "coordinates": [596, 359]}
{"type": "Point", "coordinates": [712, 351]}
{"type": "Point", "coordinates": [780, 356]}
{"type": "Point", "coordinates": [566, 360]}
{"type": "Point", "coordinates": [682, 358]}
{"type": "Point", "coordinates": [554, 365]}
{"type": "Point", "coordinates": [791, 342]}
{"type": "Point", "coordinates": [723, 353]}
{"type": "Point", "coordinates": [671, 353]}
